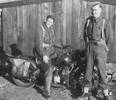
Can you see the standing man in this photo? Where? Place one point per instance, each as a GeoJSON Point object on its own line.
{"type": "Point", "coordinates": [98, 37]}
{"type": "Point", "coordinates": [47, 51]}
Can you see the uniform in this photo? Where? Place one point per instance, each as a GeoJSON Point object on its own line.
{"type": "Point", "coordinates": [94, 29]}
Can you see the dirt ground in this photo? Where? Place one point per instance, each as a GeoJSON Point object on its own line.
{"type": "Point", "coordinates": [9, 91]}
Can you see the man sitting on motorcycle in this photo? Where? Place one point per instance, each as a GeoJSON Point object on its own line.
{"type": "Point", "coordinates": [47, 51]}
{"type": "Point", "coordinates": [98, 38]}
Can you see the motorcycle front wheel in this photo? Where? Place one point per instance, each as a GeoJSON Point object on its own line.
{"type": "Point", "coordinates": [21, 83]}
{"type": "Point", "coordinates": [23, 72]}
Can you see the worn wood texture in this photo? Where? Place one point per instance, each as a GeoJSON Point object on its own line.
{"type": "Point", "coordinates": [14, 3]}
{"type": "Point", "coordinates": [21, 24]}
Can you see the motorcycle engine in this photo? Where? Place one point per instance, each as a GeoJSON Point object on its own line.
{"type": "Point", "coordinates": [57, 78]}
{"type": "Point", "coordinates": [61, 73]}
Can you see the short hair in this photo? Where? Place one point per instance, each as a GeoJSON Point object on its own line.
{"type": "Point", "coordinates": [50, 16]}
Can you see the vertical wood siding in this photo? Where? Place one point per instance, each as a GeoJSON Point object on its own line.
{"type": "Point", "coordinates": [21, 24]}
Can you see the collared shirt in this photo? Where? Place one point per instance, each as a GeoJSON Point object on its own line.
{"type": "Point", "coordinates": [97, 28]}
{"type": "Point", "coordinates": [93, 30]}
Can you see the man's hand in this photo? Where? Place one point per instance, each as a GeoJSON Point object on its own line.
{"type": "Point", "coordinates": [45, 45]}
{"type": "Point", "coordinates": [46, 59]}
{"type": "Point", "coordinates": [103, 43]}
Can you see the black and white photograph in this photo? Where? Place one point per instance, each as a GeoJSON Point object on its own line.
{"type": "Point", "coordinates": [57, 49]}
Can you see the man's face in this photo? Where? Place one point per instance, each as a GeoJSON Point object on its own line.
{"type": "Point", "coordinates": [96, 10]}
{"type": "Point", "coordinates": [49, 22]}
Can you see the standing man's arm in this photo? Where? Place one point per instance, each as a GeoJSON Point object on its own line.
{"type": "Point", "coordinates": [109, 33]}
{"type": "Point", "coordinates": [85, 36]}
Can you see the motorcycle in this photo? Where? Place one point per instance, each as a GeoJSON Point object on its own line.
{"type": "Point", "coordinates": [69, 68]}
{"type": "Point", "coordinates": [23, 71]}
{"type": "Point", "coordinates": [26, 71]}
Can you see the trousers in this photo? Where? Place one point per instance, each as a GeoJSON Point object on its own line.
{"type": "Point", "coordinates": [98, 54]}
{"type": "Point", "coordinates": [48, 77]}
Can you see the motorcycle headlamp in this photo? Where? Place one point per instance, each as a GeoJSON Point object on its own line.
{"type": "Point", "coordinates": [67, 59]}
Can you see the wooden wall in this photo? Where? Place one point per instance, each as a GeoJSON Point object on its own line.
{"type": "Point", "coordinates": [21, 24]}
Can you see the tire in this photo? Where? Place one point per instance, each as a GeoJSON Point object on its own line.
{"type": "Point", "coordinates": [16, 77]}
{"type": "Point", "coordinates": [20, 83]}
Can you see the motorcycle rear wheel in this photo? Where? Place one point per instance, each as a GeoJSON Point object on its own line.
{"type": "Point", "coordinates": [20, 83]}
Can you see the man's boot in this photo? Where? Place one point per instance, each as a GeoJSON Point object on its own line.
{"type": "Point", "coordinates": [108, 94]}
{"type": "Point", "coordinates": [86, 93]}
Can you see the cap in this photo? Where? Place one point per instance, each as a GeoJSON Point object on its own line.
{"type": "Point", "coordinates": [96, 3]}
{"type": "Point", "coordinates": [92, 4]}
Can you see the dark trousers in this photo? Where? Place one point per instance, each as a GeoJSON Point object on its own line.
{"type": "Point", "coordinates": [96, 53]}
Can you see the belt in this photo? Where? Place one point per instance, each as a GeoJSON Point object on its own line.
{"type": "Point", "coordinates": [93, 42]}
{"type": "Point", "coordinates": [100, 44]}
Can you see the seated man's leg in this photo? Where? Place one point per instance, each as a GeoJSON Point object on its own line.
{"type": "Point", "coordinates": [48, 80]}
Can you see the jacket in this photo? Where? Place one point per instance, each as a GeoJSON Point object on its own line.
{"type": "Point", "coordinates": [46, 38]}
{"type": "Point", "coordinates": [93, 30]}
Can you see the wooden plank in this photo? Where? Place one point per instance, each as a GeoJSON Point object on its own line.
{"type": "Point", "coordinates": [25, 27]}
{"type": "Point", "coordinates": [7, 1]}
{"type": "Point", "coordinates": [76, 22]}
{"type": "Point", "coordinates": [68, 21]}
{"type": "Point", "coordinates": [5, 29]}
{"type": "Point", "coordinates": [39, 22]}
{"type": "Point", "coordinates": [9, 28]}
{"type": "Point", "coordinates": [29, 28]}
{"type": "Point", "coordinates": [112, 17]}
{"type": "Point", "coordinates": [12, 3]}
{"type": "Point", "coordinates": [64, 21]}
{"type": "Point", "coordinates": [14, 25]}
{"type": "Point", "coordinates": [20, 27]}
{"type": "Point", "coordinates": [1, 29]}
{"type": "Point", "coordinates": [115, 18]}
{"type": "Point", "coordinates": [58, 14]}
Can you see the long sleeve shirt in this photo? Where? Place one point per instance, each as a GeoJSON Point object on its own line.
{"type": "Point", "coordinates": [93, 30]}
